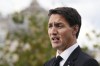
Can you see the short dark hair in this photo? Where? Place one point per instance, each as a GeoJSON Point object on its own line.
{"type": "Point", "coordinates": [70, 14]}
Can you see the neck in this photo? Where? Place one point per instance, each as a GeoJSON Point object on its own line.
{"type": "Point", "coordinates": [69, 45]}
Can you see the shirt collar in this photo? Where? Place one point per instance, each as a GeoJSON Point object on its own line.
{"type": "Point", "coordinates": [66, 53]}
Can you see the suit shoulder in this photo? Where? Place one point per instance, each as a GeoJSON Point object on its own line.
{"type": "Point", "coordinates": [85, 56]}
{"type": "Point", "coordinates": [87, 60]}
{"type": "Point", "coordinates": [91, 62]}
{"type": "Point", "coordinates": [49, 62]}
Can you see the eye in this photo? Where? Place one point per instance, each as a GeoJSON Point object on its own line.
{"type": "Point", "coordinates": [49, 25]}
{"type": "Point", "coordinates": [59, 25]}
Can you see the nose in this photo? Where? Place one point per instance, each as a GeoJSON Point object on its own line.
{"type": "Point", "coordinates": [54, 31]}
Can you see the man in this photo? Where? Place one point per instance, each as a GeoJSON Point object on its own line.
{"type": "Point", "coordinates": [63, 29]}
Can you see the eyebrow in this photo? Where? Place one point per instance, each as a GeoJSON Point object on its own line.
{"type": "Point", "coordinates": [58, 23]}
{"type": "Point", "coordinates": [55, 23]}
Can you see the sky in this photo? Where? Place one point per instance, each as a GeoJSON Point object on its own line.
{"type": "Point", "coordinates": [10, 6]}
{"type": "Point", "coordinates": [89, 10]}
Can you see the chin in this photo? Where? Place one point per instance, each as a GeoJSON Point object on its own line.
{"type": "Point", "coordinates": [55, 47]}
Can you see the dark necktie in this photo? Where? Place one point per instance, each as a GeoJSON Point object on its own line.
{"type": "Point", "coordinates": [57, 61]}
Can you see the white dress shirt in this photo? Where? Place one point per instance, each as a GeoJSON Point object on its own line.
{"type": "Point", "coordinates": [66, 53]}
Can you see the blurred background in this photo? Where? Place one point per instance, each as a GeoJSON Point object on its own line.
{"type": "Point", "coordinates": [24, 39]}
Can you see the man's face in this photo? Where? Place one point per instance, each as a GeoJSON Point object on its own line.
{"type": "Point", "coordinates": [60, 33]}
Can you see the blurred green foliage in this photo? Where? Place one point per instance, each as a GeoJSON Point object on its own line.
{"type": "Point", "coordinates": [94, 38]}
{"type": "Point", "coordinates": [18, 18]}
{"type": "Point", "coordinates": [33, 48]}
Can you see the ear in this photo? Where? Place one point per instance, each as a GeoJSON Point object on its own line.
{"type": "Point", "coordinates": [75, 29]}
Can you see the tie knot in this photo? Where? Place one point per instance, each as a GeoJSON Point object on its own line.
{"type": "Point", "coordinates": [59, 58]}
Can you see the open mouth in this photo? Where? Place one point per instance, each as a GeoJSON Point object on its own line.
{"type": "Point", "coordinates": [55, 39]}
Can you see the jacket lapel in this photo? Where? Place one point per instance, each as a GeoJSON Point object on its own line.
{"type": "Point", "coordinates": [70, 61]}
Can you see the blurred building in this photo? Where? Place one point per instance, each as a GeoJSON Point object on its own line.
{"type": "Point", "coordinates": [8, 25]}
{"type": "Point", "coordinates": [3, 30]}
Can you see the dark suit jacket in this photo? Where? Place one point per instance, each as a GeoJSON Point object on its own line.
{"type": "Point", "coordinates": [77, 58]}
